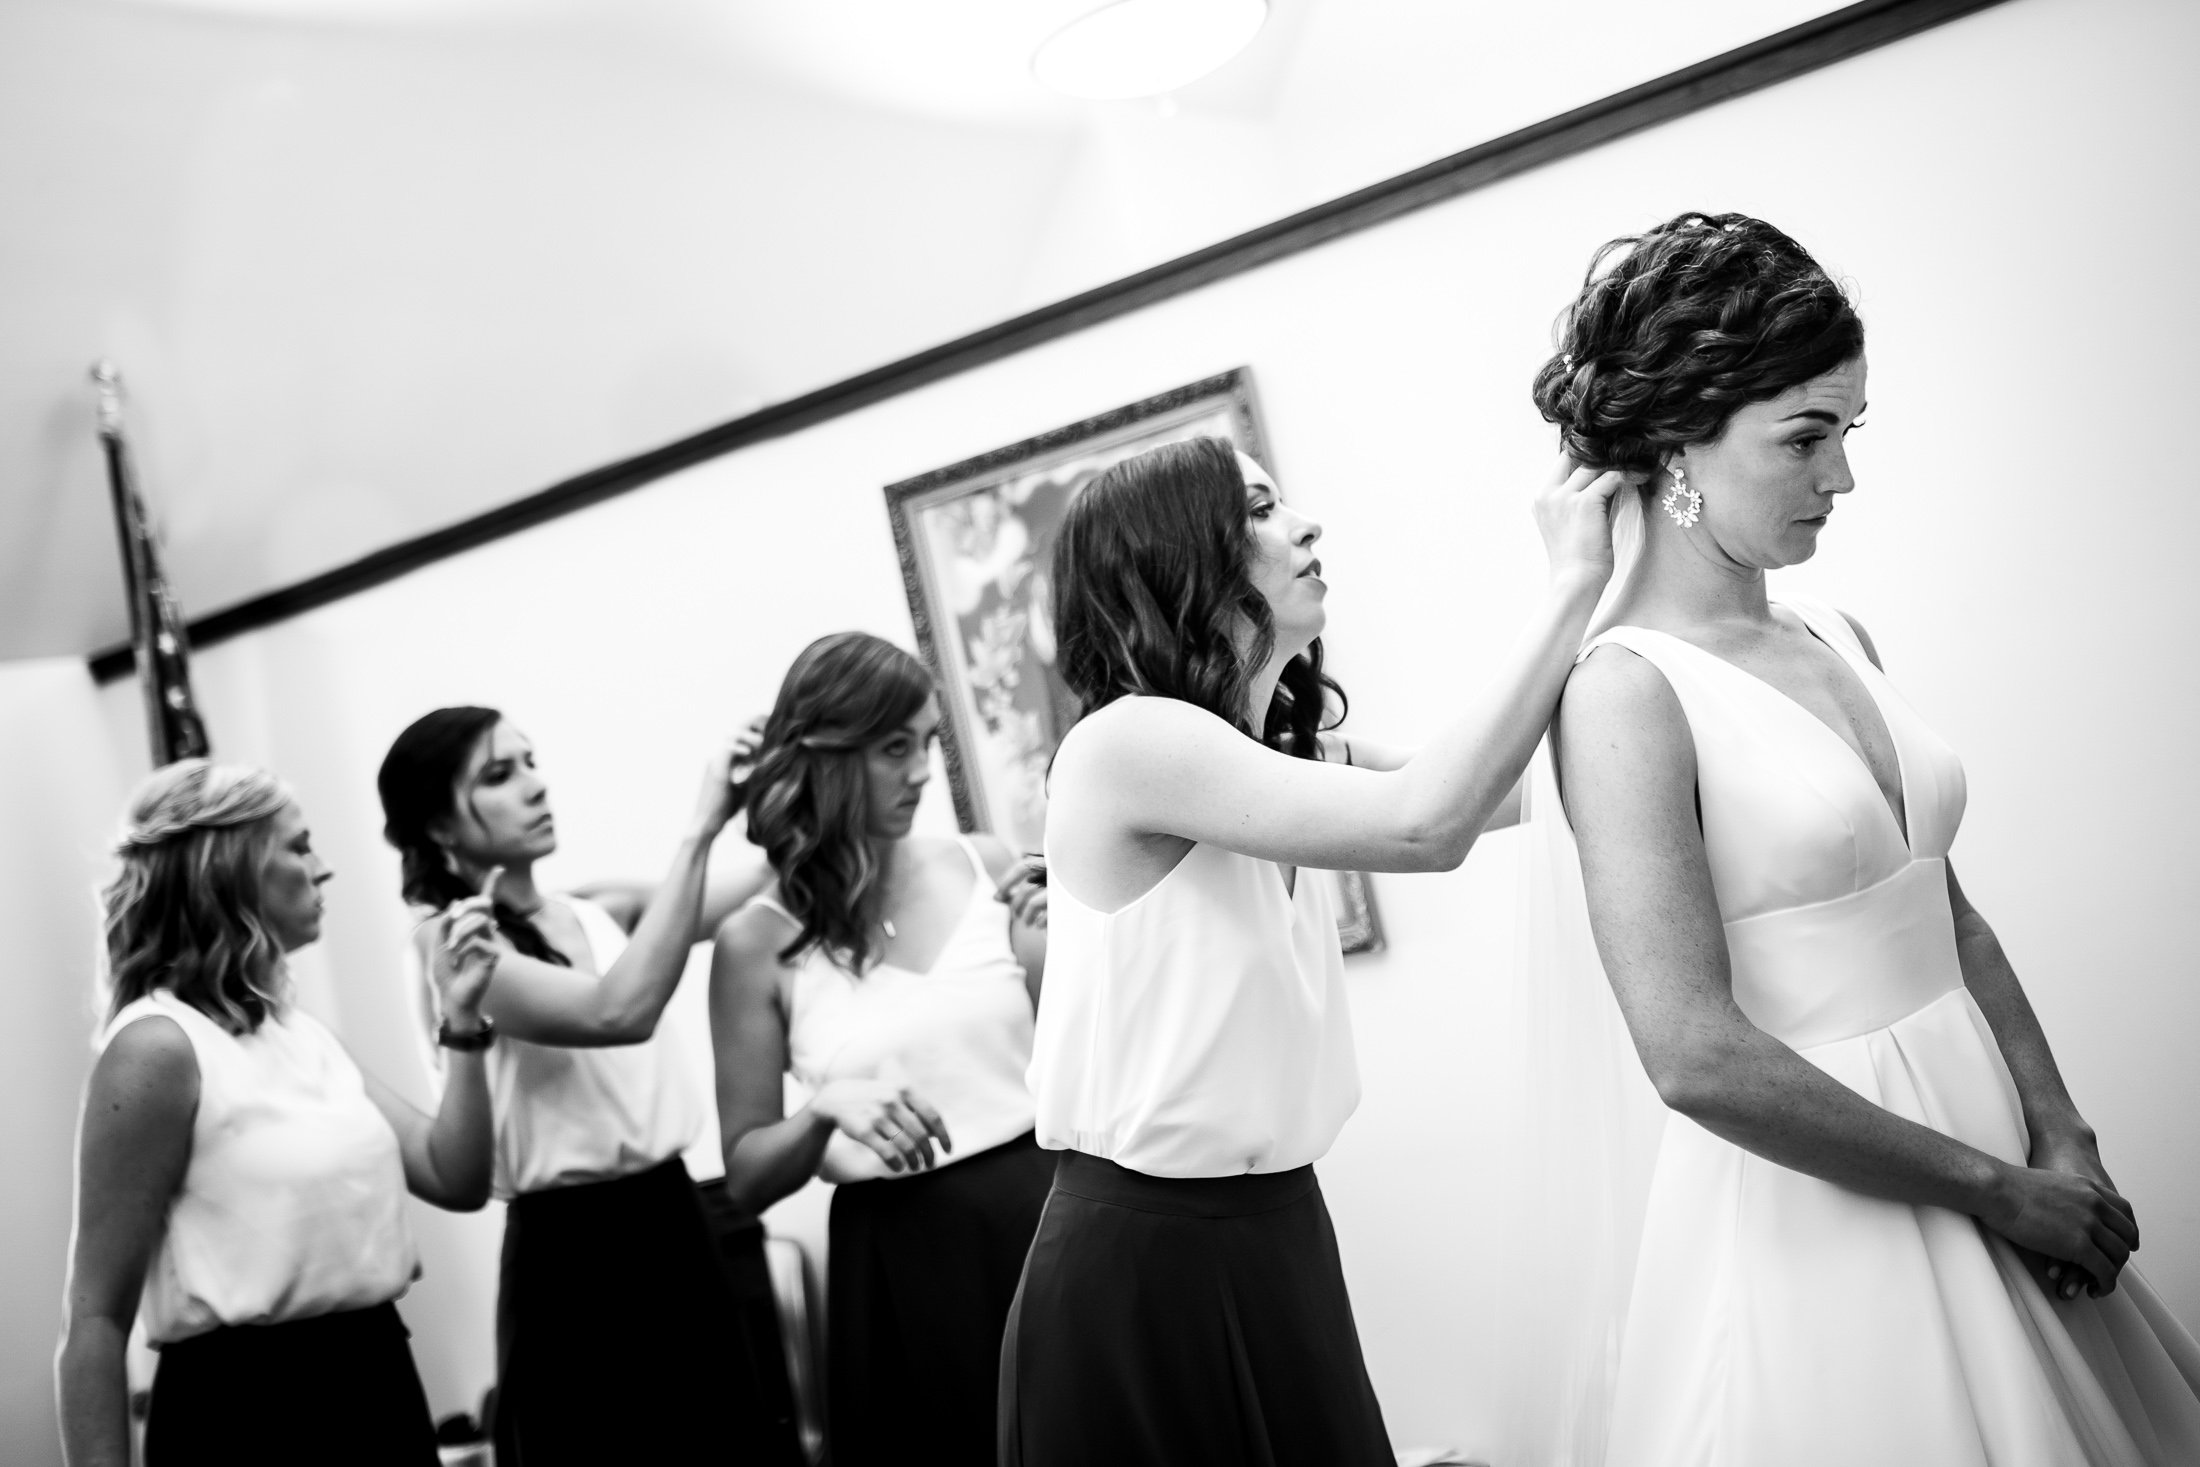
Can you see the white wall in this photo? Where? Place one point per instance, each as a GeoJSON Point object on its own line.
{"type": "Point", "coordinates": [57, 779]}
{"type": "Point", "coordinates": [2003, 192]}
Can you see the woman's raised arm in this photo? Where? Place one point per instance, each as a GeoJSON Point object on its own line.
{"type": "Point", "coordinates": [1145, 767]}
{"type": "Point", "coordinates": [546, 1004]}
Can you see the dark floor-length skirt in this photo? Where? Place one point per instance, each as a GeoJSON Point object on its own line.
{"type": "Point", "coordinates": [338, 1389]}
{"type": "Point", "coordinates": [739, 1238]}
{"type": "Point", "coordinates": [617, 1335]}
{"type": "Point", "coordinates": [920, 1274]}
{"type": "Point", "coordinates": [1185, 1321]}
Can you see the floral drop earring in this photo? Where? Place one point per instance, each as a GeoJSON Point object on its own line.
{"type": "Point", "coordinates": [1684, 504]}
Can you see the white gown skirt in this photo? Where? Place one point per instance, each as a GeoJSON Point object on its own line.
{"type": "Point", "coordinates": [1780, 1319]}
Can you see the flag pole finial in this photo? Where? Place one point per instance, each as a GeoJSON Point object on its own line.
{"type": "Point", "coordinates": [108, 379]}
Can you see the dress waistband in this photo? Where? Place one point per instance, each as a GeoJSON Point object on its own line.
{"type": "Point", "coordinates": [1834, 970]}
{"type": "Point", "coordinates": [1097, 1179]}
{"type": "Point", "coordinates": [342, 1329]}
{"type": "Point", "coordinates": [614, 1194]}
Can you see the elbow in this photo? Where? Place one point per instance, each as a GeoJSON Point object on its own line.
{"type": "Point", "coordinates": [743, 1189]}
{"type": "Point", "coordinates": [625, 1026]}
{"type": "Point", "coordinates": [1437, 848]}
{"type": "Point", "coordinates": [1691, 1081]}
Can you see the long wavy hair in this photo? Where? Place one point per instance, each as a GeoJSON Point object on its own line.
{"type": "Point", "coordinates": [1153, 592]}
{"type": "Point", "coordinates": [809, 800]}
{"type": "Point", "coordinates": [418, 783]}
{"type": "Point", "coordinates": [183, 913]}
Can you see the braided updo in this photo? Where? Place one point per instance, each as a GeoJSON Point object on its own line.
{"type": "Point", "coordinates": [1678, 328]}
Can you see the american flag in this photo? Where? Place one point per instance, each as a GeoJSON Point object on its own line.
{"type": "Point", "coordinates": [156, 625]}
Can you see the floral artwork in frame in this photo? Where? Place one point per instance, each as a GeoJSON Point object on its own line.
{"type": "Point", "coordinates": [976, 539]}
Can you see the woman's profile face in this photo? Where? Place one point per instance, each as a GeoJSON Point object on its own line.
{"type": "Point", "coordinates": [1770, 479]}
{"type": "Point", "coordinates": [897, 767]}
{"type": "Point", "coordinates": [500, 807]}
{"type": "Point", "coordinates": [1284, 566]}
{"type": "Point", "coordinates": [290, 880]}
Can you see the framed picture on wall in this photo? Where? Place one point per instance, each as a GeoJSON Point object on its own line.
{"type": "Point", "coordinates": [976, 539]}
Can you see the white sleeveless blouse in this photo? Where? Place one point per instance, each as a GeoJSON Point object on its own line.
{"type": "Point", "coordinates": [587, 1113]}
{"type": "Point", "coordinates": [293, 1203]}
{"type": "Point", "coordinates": [958, 1034]}
{"type": "Point", "coordinates": [1201, 1030]}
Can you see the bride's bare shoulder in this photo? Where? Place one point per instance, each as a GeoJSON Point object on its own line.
{"type": "Point", "coordinates": [1617, 703]}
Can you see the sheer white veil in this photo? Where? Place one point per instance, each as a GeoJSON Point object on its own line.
{"type": "Point", "coordinates": [1587, 1132]}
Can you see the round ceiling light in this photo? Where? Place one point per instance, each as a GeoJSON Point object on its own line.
{"type": "Point", "coordinates": [1142, 48]}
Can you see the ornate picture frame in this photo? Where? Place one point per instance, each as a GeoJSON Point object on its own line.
{"type": "Point", "coordinates": [975, 539]}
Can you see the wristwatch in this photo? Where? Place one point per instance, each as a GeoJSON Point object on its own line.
{"type": "Point", "coordinates": [472, 1043]}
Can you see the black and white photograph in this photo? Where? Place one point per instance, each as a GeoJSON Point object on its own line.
{"type": "Point", "coordinates": [1073, 733]}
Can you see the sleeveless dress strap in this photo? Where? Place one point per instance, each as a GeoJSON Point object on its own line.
{"type": "Point", "coordinates": [977, 861]}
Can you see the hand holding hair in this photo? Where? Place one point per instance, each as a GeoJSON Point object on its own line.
{"type": "Point", "coordinates": [465, 954]}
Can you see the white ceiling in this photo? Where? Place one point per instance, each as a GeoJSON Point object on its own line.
{"type": "Point", "coordinates": [372, 266]}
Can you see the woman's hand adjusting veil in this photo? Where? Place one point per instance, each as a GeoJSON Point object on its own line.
{"type": "Point", "coordinates": [1573, 511]}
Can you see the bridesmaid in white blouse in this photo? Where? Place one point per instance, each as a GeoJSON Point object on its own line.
{"type": "Point", "coordinates": [895, 976]}
{"type": "Point", "coordinates": [240, 1184]}
{"type": "Point", "coordinates": [1184, 1299]}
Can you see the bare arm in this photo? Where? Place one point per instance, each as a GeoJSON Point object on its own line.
{"type": "Point", "coordinates": [1368, 754]}
{"type": "Point", "coordinates": [447, 1156]}
{"type": "Point", "coordinates": [132, 1150]}
{"type": "Point", "coordinates": [726, 890]}
{"type": "Point", "coordinates": [1627, 763]}
{"type": "Point", "coordinates": [1148, 768]}
{"type": "Point", "coordinates": [546, 1004]}
{"type": "Point", "coordinates": [769, 1153]}
{"type": "Point", "coordinates": [1020, 886]}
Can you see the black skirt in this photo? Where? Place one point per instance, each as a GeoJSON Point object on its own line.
{"type": "Point", "coordinates": [920, 1273]}
{"type": "Point", "coordinates": [338, 1389]}
{"type": "Point", "coordinates": [1185, 1321]}
{"type": "Point", "coordinates": [617, 1335]}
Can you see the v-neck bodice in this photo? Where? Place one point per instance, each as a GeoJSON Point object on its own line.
{"type": "Point", "coordinates": [1792, 815]}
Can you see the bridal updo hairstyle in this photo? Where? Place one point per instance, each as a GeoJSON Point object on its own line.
{"type": "Point", "coordinates": [1677, 329]}
{"type": "Point", "coordinates": [418, 783]}
{"type": "Point", "coordinates": [184, 913]}
{"type": "Point", "coordinates": [1152, 592]}
{"type": "Point", "coordinates": [809, 797]}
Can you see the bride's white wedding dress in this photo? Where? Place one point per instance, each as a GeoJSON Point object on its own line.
{"type": "Point", "coordinates": [1777, 1320]}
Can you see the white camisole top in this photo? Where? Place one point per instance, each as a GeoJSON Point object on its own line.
{"type": "Point", "coordinates": [587, 1114]}
{"type": "Point", "coordinates": [958, 1034]}
{"type": "Point", "coordinates": [1201, 1030]}
{"type": "Point", "coordinates": [293, 1203]}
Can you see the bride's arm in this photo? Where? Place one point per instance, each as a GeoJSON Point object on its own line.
{"type": "Point", "coordinates": [1628, 767]}
{"type": "Point", "coordinates": [2061, 1139]}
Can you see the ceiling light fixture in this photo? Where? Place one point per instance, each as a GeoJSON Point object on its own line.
{"type": "Point", "coordinates": [1142, 48]}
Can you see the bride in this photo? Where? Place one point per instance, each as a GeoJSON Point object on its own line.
{"type": "Point", "coordinates": [1878, 1228]}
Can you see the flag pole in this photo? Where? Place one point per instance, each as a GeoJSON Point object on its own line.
{"type": "Point", "coordinates": [172, 724]}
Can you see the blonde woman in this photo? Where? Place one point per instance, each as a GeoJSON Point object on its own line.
{"type": "Point", "coordinates": [240, 1182]}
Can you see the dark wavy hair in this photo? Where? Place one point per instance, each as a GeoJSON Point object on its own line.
{"type": "Point", "coordinates": [183, 912]}
{"type": "Point", "coordinates": [418, 782]}
{"type": "Point", "coordinates": [1152, 589]}
{"type": "Point", "coordinates": [1679, 328]}
{"type": "Point", "coordinates": [809, 799]}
